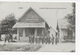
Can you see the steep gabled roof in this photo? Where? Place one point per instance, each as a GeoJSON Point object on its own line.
{"type": "Point", "coordinates": [30, 16]}
{"type": "Point", "coordinates": [30, 19]}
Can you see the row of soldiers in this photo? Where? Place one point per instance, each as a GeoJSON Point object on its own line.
{"type": "Point", "coordinates": [42, 39]}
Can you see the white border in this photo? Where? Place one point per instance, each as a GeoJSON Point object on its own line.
{"type": "Point", "coordinates": [39, 0]}
{"type": "Point", "coordinates": [52, 53]}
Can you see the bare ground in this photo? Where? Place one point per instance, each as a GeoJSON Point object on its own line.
{"type": "Point", "coordinates": [60, 47]}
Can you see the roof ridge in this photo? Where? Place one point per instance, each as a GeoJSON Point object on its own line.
{"type": "Point", "coordinates": [24, 13]}
{"type": "Point", "coordinates": [30, 8]}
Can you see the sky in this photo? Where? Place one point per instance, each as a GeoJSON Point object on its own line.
{"type": "Point", "coordinates": [49, 11]}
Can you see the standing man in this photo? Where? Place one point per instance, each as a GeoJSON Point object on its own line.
{"type": "Point", "coordinates": [52, 39]}
{"type": "Point", "coordinates": [43, 38]}
{"type": "Point", "coordinates": [56, 40]}
{"type": "Point", "coordinates": [29, 38]}
{"type": "Point", "coordinates": [10, 36]}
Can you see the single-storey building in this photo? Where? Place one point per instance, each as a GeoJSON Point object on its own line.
{"type": "Point", "coordinates": [65, 33]}
{"type": "Point", "coordinates": [31, 23]}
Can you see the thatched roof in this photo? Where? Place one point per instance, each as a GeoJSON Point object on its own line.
{"type": "Point", "coordinates": [30, 19]}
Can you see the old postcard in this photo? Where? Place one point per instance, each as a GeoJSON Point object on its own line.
{"type": "Point", "coordinates": [37, 26]}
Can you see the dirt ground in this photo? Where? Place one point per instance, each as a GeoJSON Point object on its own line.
{"type": "Point", "coordinates": [60, 47]}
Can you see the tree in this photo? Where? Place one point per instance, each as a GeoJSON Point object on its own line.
{"type": "Point", "coordinates": [71, 18]}
{"type": "Point", "coordinates": [7, 23]}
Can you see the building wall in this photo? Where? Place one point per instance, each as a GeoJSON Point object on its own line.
{"type": "Point", "coordinates": [31, 31]}
{"type": "Point", "coordinates": [66, 35]}
{"type": "Point", "coordinates": [20, 32]}
{"type": "Point", "coordinates": [63, 34]}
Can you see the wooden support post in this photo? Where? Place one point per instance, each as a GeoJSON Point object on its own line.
{"type": "Point", "coordinates": [35, 32]}
{"type": "Point", "coordinates": [17, 34]}
{"type": "Point", "coordinates": [42, 32]}
{"type": "Point", "coordinates": [24, 32]}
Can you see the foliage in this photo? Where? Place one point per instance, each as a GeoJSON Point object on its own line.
{"type": "Point", "coordinates": [71, 18]}
{"type": "Point", "coordinates": [20, 47]}
{"type": "Point", "coordinates": [7, 23]}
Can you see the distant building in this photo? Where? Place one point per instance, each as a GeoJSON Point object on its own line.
{"type": "Point", "coordinates": [31, 23]}
{"type": "Point", "coordinates": [65, 33]}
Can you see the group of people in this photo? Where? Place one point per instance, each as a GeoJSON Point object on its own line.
{"type": "Point", "coordinates": [41, 39]}
{"type": "Point", "coordinates": [38, 39]}
{"type": "Point", "coordinates": [8, 37]}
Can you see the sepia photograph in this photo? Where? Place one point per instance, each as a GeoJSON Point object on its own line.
{"type": "Point", "coordinates": [37, 26]}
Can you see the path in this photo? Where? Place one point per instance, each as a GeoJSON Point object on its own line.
{"type": "Point", "coordinates": [61, 47]}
